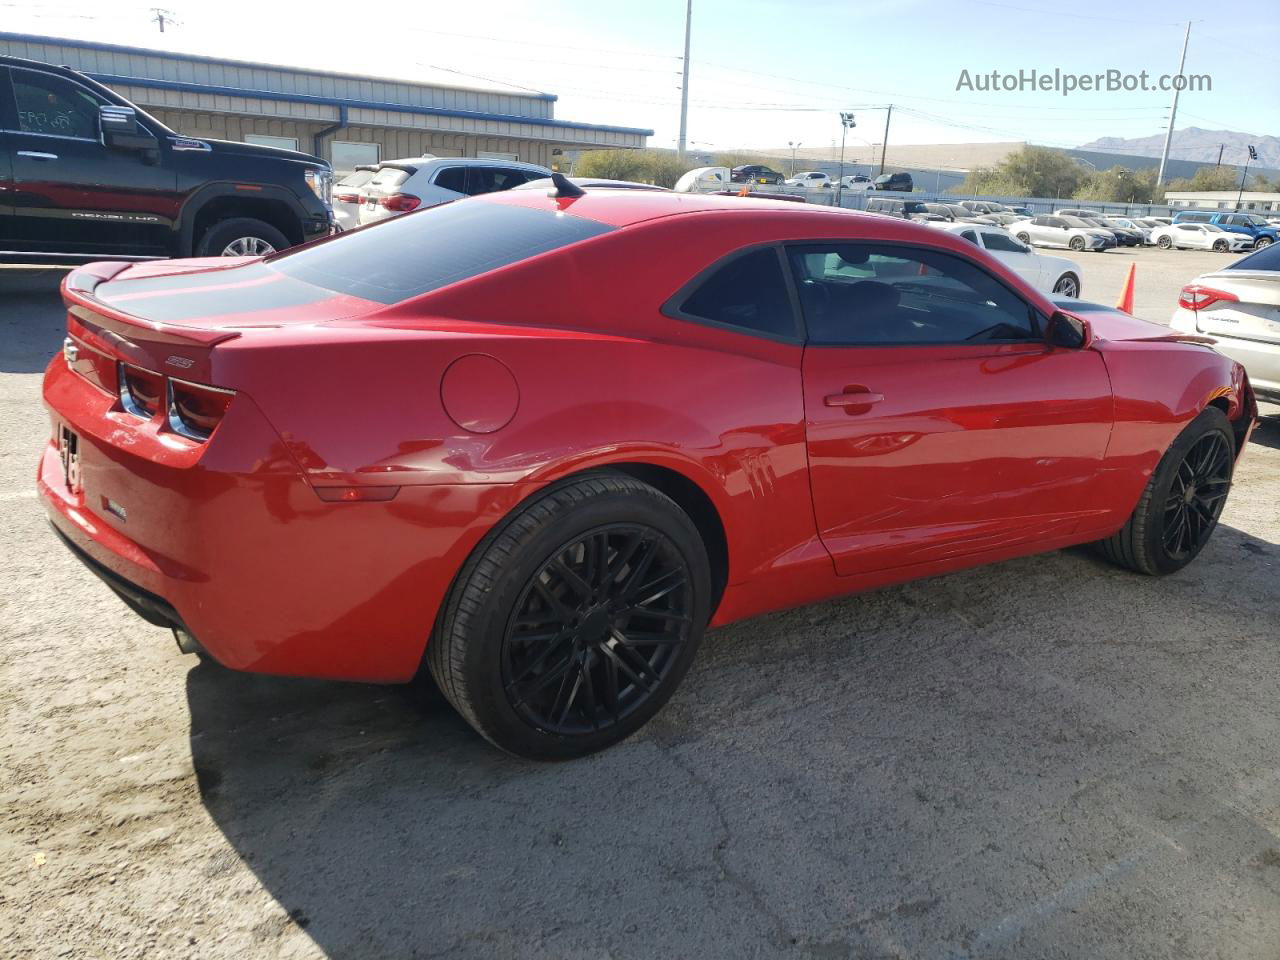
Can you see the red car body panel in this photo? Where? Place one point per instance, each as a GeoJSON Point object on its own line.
{"type": "Point", "coordinates": [461, 403]}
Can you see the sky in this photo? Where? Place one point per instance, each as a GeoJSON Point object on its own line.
{"type": "Point", "coordinates": [762, 74]}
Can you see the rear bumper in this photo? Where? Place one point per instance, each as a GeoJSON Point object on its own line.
{"type": "Point", "coordinates": [230, 543]}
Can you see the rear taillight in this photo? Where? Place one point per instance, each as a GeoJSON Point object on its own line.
{"type": "Point", "coordinates": [347, 197]}
{"type": "Point", "coordinates": [1197, 297]}
{"type": "Point", "coordinates": [195, 410]}
{"type": "Point", "coordinates": [400, 202]}
{"type": "Point", "coordinates": [141, 391]}
{"type": "Point", "coordinates": [192, 410]}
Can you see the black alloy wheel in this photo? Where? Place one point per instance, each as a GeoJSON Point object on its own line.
{"type": "Point", "coordinates": [575, 619]}
{"type": "Point", "coordinates": [597, 630]}
{"type": "Point", "coordinates": [1178, 511]}
{"type": "Point", "coordinates": [1197, 495]}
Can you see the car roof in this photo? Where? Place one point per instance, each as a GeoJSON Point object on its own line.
{"type": "Point", "coordinates": [623, 208]}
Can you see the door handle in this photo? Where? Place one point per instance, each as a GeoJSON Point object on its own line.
{"type": "Point", "coordinates": [852, 399]}
{"type": "Point", "coordinates": [37, 155]}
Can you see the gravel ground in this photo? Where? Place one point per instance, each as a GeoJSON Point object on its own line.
{"type": "Point", "coordinates": [1043, 758]}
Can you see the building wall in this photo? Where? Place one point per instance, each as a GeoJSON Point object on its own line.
{"type": "Point", "coordinates": [1225, 200]}
{"type": "Point", "coordinates": [229, 100]}
{"type": "Point", "coordinates": [393, 143]}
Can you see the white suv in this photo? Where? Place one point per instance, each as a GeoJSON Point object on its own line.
{"type": "Point", "coordinates": [399, 186]}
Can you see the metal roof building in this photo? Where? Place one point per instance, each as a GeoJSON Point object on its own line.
{"type": "Point", "coordinates": [344, 118]}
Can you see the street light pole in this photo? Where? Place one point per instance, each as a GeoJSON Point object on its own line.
{"type": "Point", "coordinates": [1253, 153]}
{"type": "Point", "coordinates": [794, 147]}
{"type": "Point", "coordinates": [1173, 109]}
{"type": "Point", "coordinates": [846, 122]}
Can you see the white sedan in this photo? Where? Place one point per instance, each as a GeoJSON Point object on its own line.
{"type": "Point", "coordinates": [1239, 306]}
{"type": "Point", "coordinates": [1200, 236]}
{"type": "Point", "coordinates": [1056, 275]}
{"type": "Point", "coordinates": [810, 180]}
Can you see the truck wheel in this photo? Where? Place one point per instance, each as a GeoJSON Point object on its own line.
{"type": "Point", "coordinates": [241, 237]}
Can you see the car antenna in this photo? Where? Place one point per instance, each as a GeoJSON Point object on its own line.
{"type": "Point", "coordinates": [565, 187]}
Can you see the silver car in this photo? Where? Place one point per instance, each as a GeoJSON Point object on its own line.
{"type": "Point", "coordinates": [401, 186]}
{"type": "Point", "coordinates": [1239, 306]}
{"type": "Point", "coordinates": [1059, 231]}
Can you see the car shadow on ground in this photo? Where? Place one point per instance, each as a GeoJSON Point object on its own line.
{"type": "Point", "coordinates": [928, 769]}
{"type": "Point", "coordinates": [1267, 433]}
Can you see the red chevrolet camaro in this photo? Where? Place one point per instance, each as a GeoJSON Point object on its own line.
{"type": "Point", "coordinates": [538, 443]}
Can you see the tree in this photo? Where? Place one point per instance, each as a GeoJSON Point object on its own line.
{"type": "Point", "coordinates": [1118, 185]}
{"type": "Point", "coordinates": [1208, 179]}
{"type": "Point", "coordinates": [659, 167]}
{"type": "Point", "coordinates": [1031, 171]}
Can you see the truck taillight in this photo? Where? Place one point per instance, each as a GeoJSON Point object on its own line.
{"type": "Point", "coordinates": [1197, 297]}
{"type": "Point", "coordinates": [195, 409]}
{"type": "Point", "coordinates": [400, 202]}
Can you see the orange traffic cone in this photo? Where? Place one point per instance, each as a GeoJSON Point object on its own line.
{"type": "Point", "coordinates": [1125, 302]}
{"type": "Point", "coordinates": [744, 192]}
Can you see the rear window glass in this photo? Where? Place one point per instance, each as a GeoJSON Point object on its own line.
{"type": "Point", "coordinates": [389, 177]}
{"type": "Point", "coordinates": [1268, 258]}
{"type": "Point", "coordinates": [357, 179]}
{"type": "Point", "coordinates": [423, 251]}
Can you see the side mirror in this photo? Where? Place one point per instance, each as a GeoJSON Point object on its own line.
{"type": "Point", "coordinates": [1067, 331]}
{"type": "Point", "coordinates": [121, 131]}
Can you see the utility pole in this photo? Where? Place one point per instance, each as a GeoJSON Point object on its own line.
{"type": "Point", "coordinates": [794, 147]}
{"type": "Point", "coordinates": [885, 146]}
{"type": "Point", "coordinates": [1220, 149]}
{"type": "Point", "coordinates": [684, 85]}
{"type": "Point", "coordinates": [1173, 110]}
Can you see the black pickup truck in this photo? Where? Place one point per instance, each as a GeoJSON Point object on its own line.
{"type": "Point", "coordinates": [86, 175]}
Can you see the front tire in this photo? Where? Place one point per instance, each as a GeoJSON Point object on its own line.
{"type": "Point", "coordinates": [1180, 507]}
{"type": "Point", "coordinates": [1024, 238]}
{"type": "Point", "coordinates": [241, 237]}
{"type": "Point", "coordinates": [1076, 243]}
{"type": "Point", "coordinates": [574, 622]}
{"type": "Point", "coordinates": [1164, 243]}
{"type": "Point", "coordinates": [1262, 243]}
{"type": "Point", "coordinates": [1220, 246]}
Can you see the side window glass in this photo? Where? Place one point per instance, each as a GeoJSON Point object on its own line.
{"type": "Point", "coordinates": [971, 237]}
{"type": "Point", "coordinates": [1002, 241]}
{"type": "Point", "coordinates": [748, 291]}
{"type": "Point", "coordinates": [52, 105]}
{"type": "Point", "coordinates": [453, 178]}
{"type": "Point", "coordinates": [855, 294]}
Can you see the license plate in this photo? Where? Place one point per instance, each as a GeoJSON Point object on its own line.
{"type": "Point", "coordinates": [763, 180]}
{"type": "Point", "coordinates": [69, 450]}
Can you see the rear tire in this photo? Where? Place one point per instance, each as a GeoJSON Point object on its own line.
{"type": "Point", "coordinates": [573, 623]}
{"type": "Point", "coordinates": [1024, 238]}
{"type": "Point", "coordinates": [1180, 507]}
{"type": "Point", "coordinates": [1068, 285]}
{"type": "Point", "coordinates": [241, 237]}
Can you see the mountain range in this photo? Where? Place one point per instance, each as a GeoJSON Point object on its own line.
{"type": "Point", "coordinates": [1196, 144]}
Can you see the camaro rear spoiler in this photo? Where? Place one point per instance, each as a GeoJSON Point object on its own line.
{"type": "Point", "coordinates": [78, 293]}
